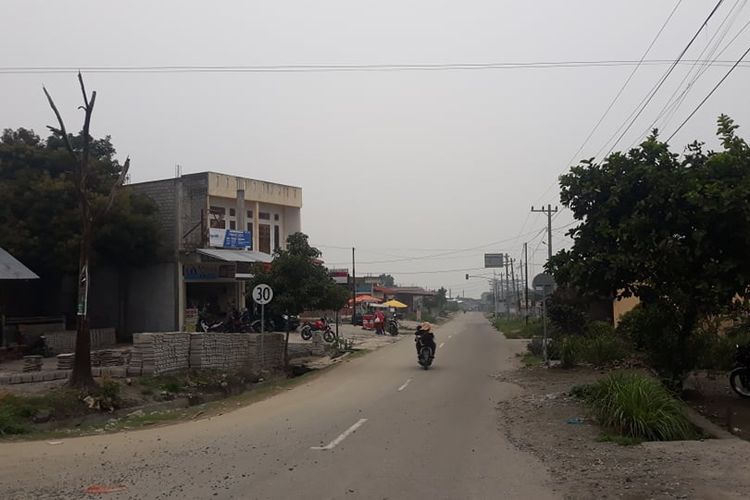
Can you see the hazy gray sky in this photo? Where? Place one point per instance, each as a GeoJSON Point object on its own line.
{"type": "Point", "coordinates": [402, 164]}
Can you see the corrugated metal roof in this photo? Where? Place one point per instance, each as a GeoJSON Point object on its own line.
{"type": "Point", "coordinates": [12, 269]}
{"type": "Point", "coordinates": [235, 255]}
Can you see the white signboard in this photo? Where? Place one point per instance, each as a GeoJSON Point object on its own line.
{"type": "Point", "coordinates": [262, 294]}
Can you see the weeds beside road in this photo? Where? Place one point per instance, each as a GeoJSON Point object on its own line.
{"type": "Point", "coordinates": [549, 422]}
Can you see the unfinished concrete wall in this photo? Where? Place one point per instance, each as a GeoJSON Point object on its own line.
{"type": "Point", "coordinates": [151, 299]}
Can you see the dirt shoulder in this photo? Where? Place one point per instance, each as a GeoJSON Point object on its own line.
{"type": "Point", "coordinates": [555, 427]}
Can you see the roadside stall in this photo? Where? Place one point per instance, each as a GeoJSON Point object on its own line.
{"type": "Point", "coordinates": [363, 305]}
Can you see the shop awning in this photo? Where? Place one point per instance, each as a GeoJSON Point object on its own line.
{"type": "Point", "coordinates": [12, 269]}
{"type": "Point", "coordinates": [236, 255]}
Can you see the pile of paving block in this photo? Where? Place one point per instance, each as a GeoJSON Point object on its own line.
{"type": "Point", "coordinates": [32, 363]}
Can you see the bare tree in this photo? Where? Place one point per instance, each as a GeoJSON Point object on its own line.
{"type": "Point", "coordinates": [82, 376]}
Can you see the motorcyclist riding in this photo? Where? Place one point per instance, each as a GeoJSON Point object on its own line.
{"type": "Point", "coordinates": [425, 336]}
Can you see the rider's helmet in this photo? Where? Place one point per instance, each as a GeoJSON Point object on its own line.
{"type": "Point", "coordinates": [425, 327]}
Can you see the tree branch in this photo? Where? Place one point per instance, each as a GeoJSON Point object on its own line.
{"type": "Point", "coordinates": [61, 130]}
{"type": "Point", "coordinates": [83, 91]}
{"type": "Point", "coordinates": [117, 184]}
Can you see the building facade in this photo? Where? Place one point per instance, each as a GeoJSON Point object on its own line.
{"type": "Point", "coordinates": [215, 227]}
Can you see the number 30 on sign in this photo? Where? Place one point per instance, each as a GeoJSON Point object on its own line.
{"type": "Point", "coordinates": [262, 294]}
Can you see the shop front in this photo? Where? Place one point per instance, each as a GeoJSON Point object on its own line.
{"type": "Point", "coordinates": [215, 281]}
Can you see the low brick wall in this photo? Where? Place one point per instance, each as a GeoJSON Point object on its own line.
{"type": "Point", "coordinates": [65, 341]}
{"type": "Point", "coordinates": [169, 352]}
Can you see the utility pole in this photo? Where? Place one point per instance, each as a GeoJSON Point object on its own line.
{"type": "Point", "coordinates": [507, 289]}
{"type": "Point", "coordinates": [515, 286]}
{"type": "Point", "coordinates": [354, 288]}
{"type": "Point", "coordinates": [526, 279]}
{"type": "Point", "coordinates": [549, 213]}
{"type": "Point", "coordinates": [494, 289]}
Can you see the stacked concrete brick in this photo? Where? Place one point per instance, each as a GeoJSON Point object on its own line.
{"type": "Point", "coordinates": [272, 355]}
{"type": "Point", "coordinates": [65, 341]}
{"type": "Point", "coordinates": [168, 352]}
{"type": "Point", "coordinates": [161, 352]}
{"type": "Point", "coordinates": [220, 351]}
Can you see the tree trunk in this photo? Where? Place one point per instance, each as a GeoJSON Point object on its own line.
{"type": "Point", "coordinates": [82, 377]}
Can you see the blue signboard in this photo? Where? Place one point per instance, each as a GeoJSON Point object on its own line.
{"type": "Point", "coordinates": [238, 239]}
{"type": "Point", "coordinates": [229, 238]}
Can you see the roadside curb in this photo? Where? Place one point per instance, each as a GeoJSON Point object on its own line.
{"type": "Point", "coordinates": [707, 426]}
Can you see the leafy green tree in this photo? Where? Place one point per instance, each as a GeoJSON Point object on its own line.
{"type": "Point", "coordinates": [437, 302]}
{"type": "Point", "coordinates": [299, 280]}
{"type": "Point", "coordinates": [673, 230]}
{"type": "Point", "coordinates": [39, 218]}
{"type": "Point", "coordinates": [387, 280]}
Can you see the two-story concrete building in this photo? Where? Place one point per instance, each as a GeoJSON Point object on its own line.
{"type": "Point", "coordinates": [215, 226]}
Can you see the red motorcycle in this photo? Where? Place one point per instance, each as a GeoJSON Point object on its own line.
{"type": "Point", "coordinates": [321, 326]}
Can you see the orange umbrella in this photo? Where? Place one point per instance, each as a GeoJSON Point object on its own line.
{"type": "Point", "coordinates": [365, 298]}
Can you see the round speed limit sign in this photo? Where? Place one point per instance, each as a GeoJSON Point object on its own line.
{"type": "Point", "coordinates": [262, 294]}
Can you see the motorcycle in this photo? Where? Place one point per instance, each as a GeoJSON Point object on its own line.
{"type": "Point", "coordinates": [739, 378]}
{"type": "Point", "coordinates": [392, 326]}
{"type": "Point", "coordinates": [320, 326]}
{"type": "Point", "coordinates": [424, 349]}
{"type": "Point", "coordinates": [276, 323]}
{"type": "Point", "coordinates": [39, 348]}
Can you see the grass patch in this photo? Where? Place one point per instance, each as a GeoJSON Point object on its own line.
{"type": "Point", "coordinates": [528, 359]}
{"type": "Point", "coordinates": [637, 406]}
{"type": "Point", "coordinates": [517, 328]}
{"type": "Point", "coordinates": [17, 412]}
{"type": "Point", "coordinates": [605, 437]}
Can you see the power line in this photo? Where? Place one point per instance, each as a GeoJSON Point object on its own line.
{"type": "Point", "coordinates": [338, 68]}
{"type": "Point", "coordinates": [650, 96]}
{"type": "Point", "coordinates": [616, 97]}
{"type": "Point", "coordinates": [709, 95]}
{"type": "Point", "coordinates": [675, 101]}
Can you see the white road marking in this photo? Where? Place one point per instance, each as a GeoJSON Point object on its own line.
{"type": "Point", "coordinates": [450, 336]}
{"type": "Point", "coordinates": [404, 386]}
{"type": "Point", "coordinates": [441, 345]}
{"type": "Point", "coordinates": [343, 436]}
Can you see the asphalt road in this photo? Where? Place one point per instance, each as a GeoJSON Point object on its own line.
{"type": "Point", "coordinates": [376, 427]}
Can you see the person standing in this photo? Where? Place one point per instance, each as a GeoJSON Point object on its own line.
{"type": "Point", "coordinates": [379, 322]}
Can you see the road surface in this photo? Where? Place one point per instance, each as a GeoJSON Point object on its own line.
{"type": "Point", "coordinates": [377, 427]}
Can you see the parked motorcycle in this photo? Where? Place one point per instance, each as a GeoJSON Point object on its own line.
{"type": "Point", "coordinates": [320, 326]}
{"type": "Point", "coordinates": [39, 348]}
{"type": "Point", "coordinates": [739, 378]}
{"type": "Point", "coordinates": [392, 326]}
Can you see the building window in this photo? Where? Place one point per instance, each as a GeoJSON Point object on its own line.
{"type": "Point", "coordinates": [264, 216]}
{"type": "Point", "coordinates": [250, 226]}
{"type": "Point", "coordinates": [216, 217]}
{"type": "Point", "coordinates": [231, 212]}
{"type": "Point", "coordinates": [275, 216]}
{"type": "Point", "coordinates": [264, 238]}
{"type": "Point", "coordinates": [249, 214]}
{"type": "Point", "coordinates": [232, 224]}
{"type": "Point", "coordinates": [276, 238]}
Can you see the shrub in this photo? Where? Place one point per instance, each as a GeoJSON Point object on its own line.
{"type": "Point", "coordinates": [603, 349]}
{"type": "Point", "coordinates": [638, 406]}
{"type": "Point", "coordinates": [599, 328]}
{"type": "Point", "coordinates": [570, 351]}
{"type": "Point", "coordinates": [535, 347]}
{"type": "Point", "coordinates": [654, 330]}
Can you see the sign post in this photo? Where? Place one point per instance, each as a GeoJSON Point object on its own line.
{"type": "Point", "coordinates": [546, 283]}
{"type": "Point", "coordinates": [262, 295]}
